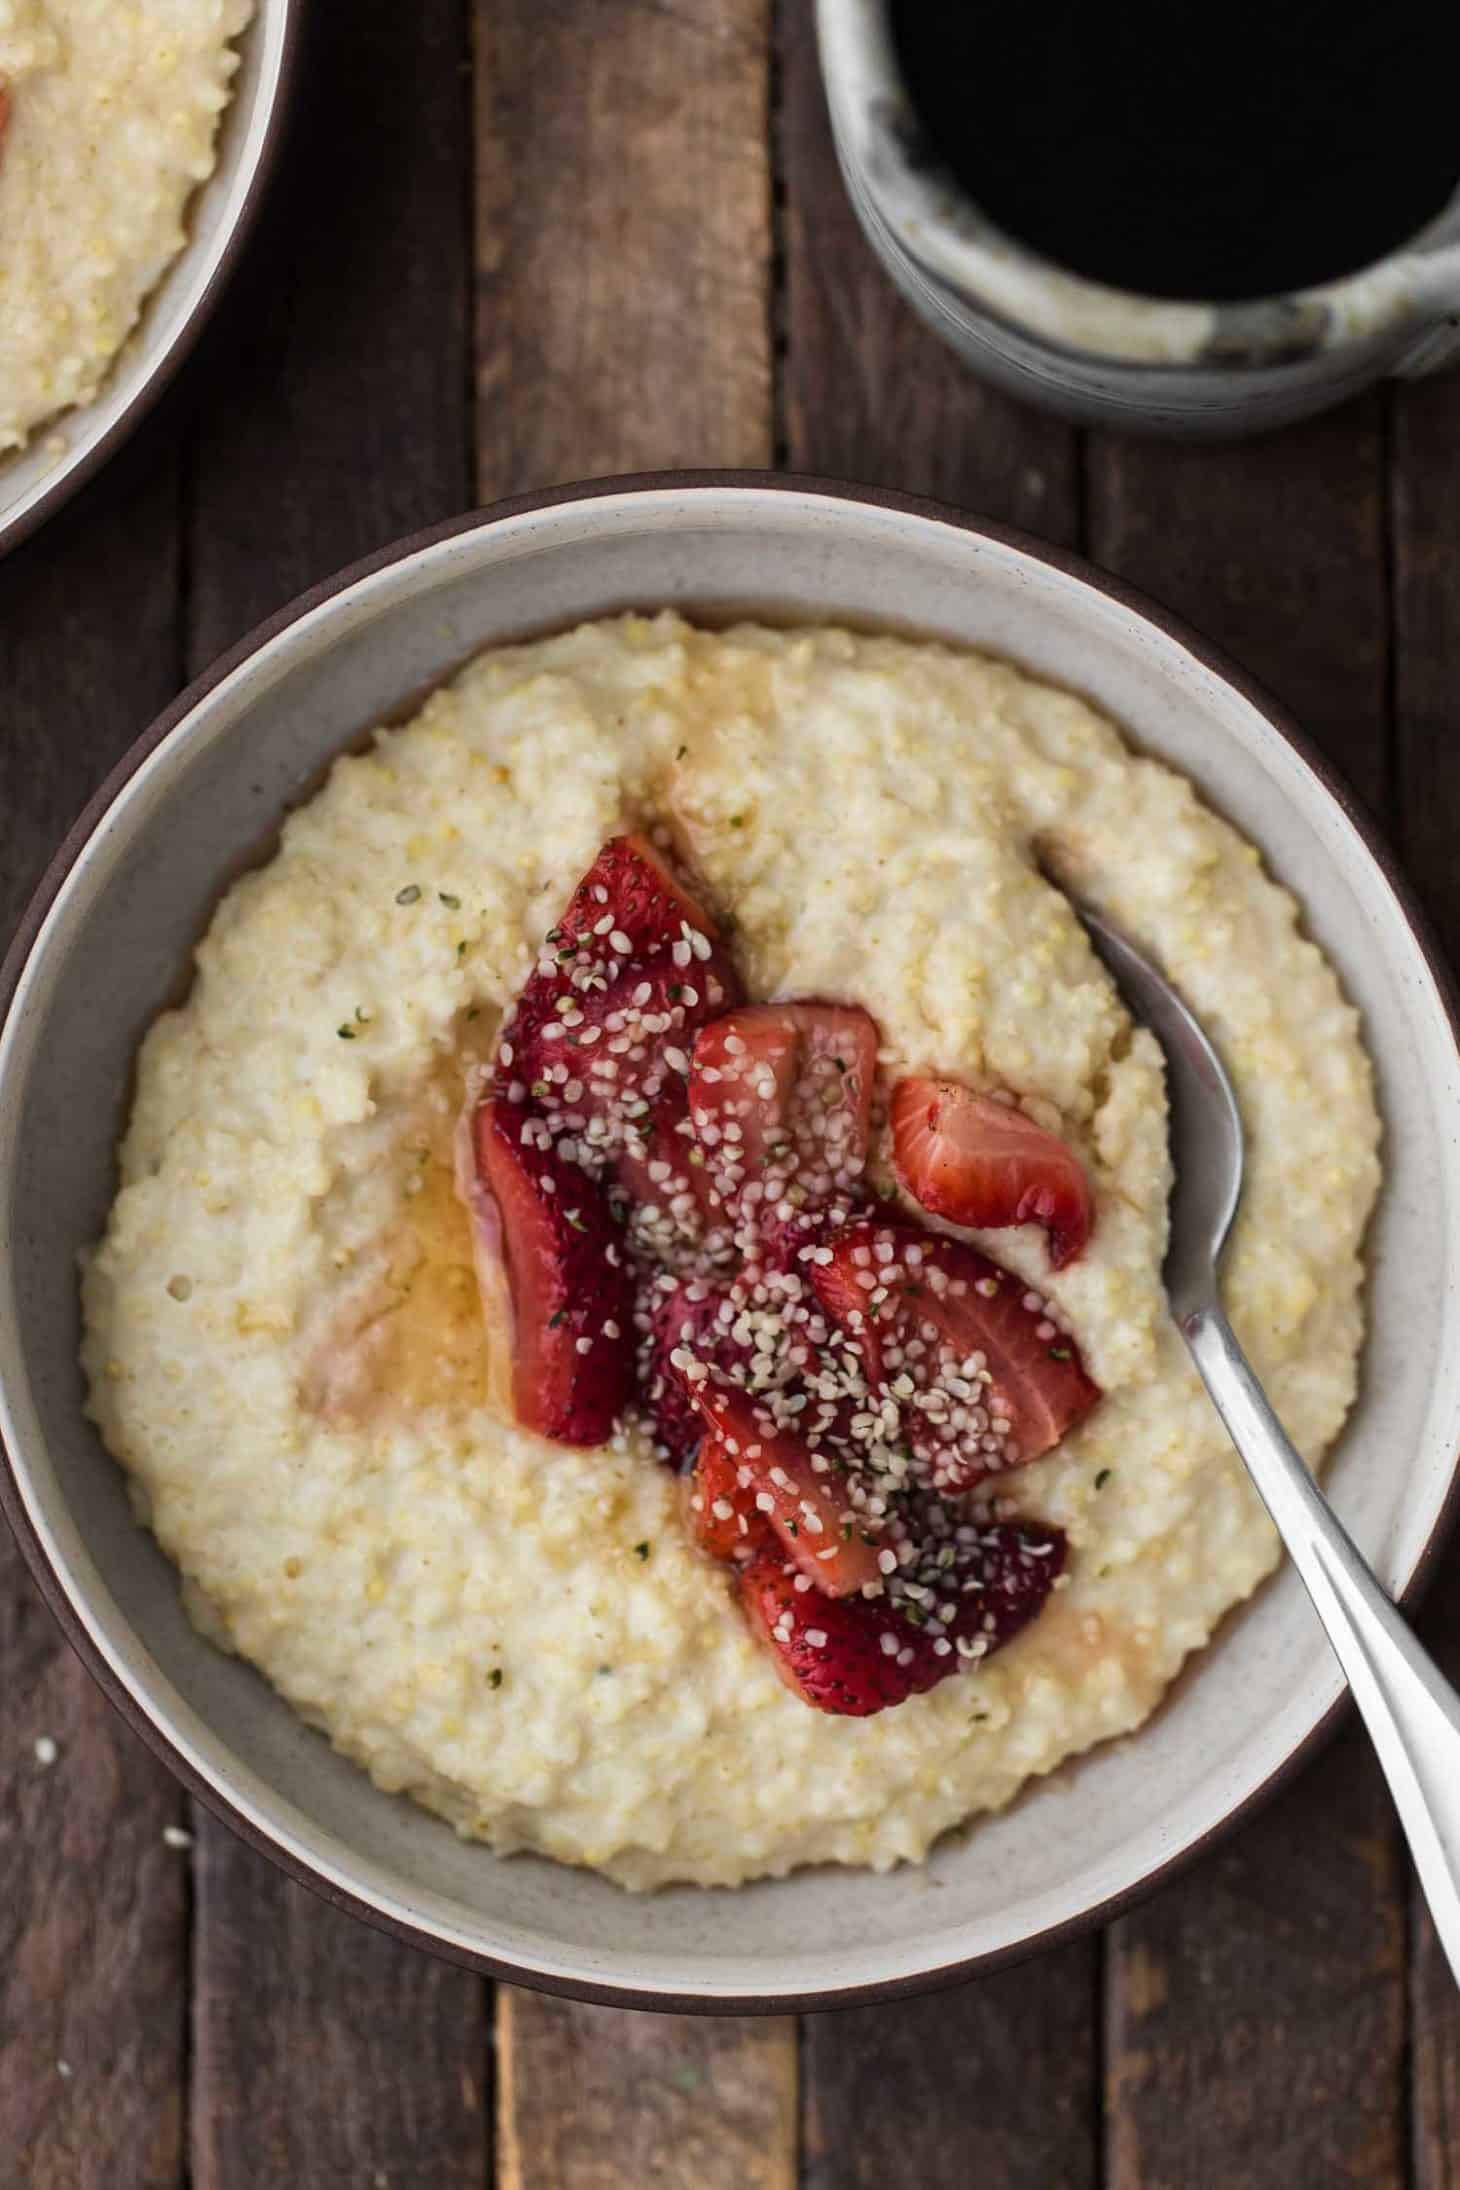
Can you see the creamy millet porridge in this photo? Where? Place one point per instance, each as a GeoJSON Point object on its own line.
{"type": "Point", "coordinates": [284, 1341]}
{"type": "Point", "coordinates": [108, 119]}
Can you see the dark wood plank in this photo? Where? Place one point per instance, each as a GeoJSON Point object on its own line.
{"type": "Point", "coordinates": [1275, 549]}
{"type": "Point", "coordinates": [592, 2099]}
{"type": "Point", "coordinates": [337, 413]}
{"type": "Point", "coordinates": [93, 1902]}
{"type": "Point", "coordinates": [1434, 2001]}
{"type": "Point", "coordinates": [1425, 455]}
{"type": "Point", "coordinates": [1256, 2015]}
{"type": "Point", "coordinates": [324, 2053]}
{"type": "Point", "coordinates": [623, 237]}
{"type": "Point", "coordinates": [338, 417]}
{"type": "Point", "coordinates": [995, 2083]}
{"type": "Point", "coordinates": [623, 322]}
{"type": "Point", "coordinates": [999, 2078]}
{"type": "Point", "coordinates": [867, 391]}
{"type": "Point", "coordinates": [1256, 2008]}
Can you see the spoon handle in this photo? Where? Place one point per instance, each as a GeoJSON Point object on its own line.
{"type": "Point", "coordinates": [1412, 1712]}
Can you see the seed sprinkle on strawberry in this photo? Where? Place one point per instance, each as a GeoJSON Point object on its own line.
{"type": "Point", "coordinates": [681, 1177]}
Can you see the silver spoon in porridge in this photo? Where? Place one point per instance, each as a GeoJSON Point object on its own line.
{"type": "Point", "coordinates": [1410, 1709]}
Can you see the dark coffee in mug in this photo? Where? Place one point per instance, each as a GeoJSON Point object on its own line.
{"type": "Point", "coordinates": [1218, 151]}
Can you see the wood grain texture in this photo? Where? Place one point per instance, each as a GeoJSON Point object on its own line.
{"type": "Point", "coordinates": [1256, 2007]}
{"type": "Point", "coordinates": [869, 393]}
{"type": "Point", "coordinates": [338, 412]}
{"type": "Point", "coordinates": [92, 1926]}
{"type": "Point", "coordinates": [623, 237]}
{"type": "Point", "coordinates": [326, 2055]}
{"type": "Point", "coordinates": [1425, 460]}
{"type": "Point", "coordinates": [93, 1903]}
{"type": "Point", "coordinates": [1275, 549]}
{"type": "Point", "coordinates": [338, 417]}
{"type": "Point", "coordinates": [88, 651]}
{"type": "Point", "coordinates": [1005, 2068]}
{"type": "Point", "coordinates": [601, 2099]}
{"type": "Point", "coordinates": [995, 2083]}
{"type": "Point", "coordinates": [1256, 2016]}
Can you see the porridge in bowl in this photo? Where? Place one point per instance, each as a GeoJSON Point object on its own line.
{"type": "Point", "coordinates": [108, 121]}
{"type": "Point", "coordinates": [634, 1297]}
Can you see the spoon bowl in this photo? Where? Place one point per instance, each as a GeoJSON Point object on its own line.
{"type": "Point", "coordinates": [1207, 1146]}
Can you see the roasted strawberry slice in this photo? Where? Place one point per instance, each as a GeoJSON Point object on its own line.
{"type": "Point", "coordinates": [649, 907]}
{"type": "Point", "coordinates": [600, 1038]}
{"type": "Point", "coordinates": [626, 1081]}
{"type": "Point", "coordinates": [568, 1281]}
{"type": "Point", "coordinates": [984, 1376]}
{"type": "Point", "coordinates": [627, 915]}
{"type": "Point", "coordinates": [977, 1160]}
{"type": "Point", "coordinates": [780, 1100]}
{"type": "Point", "coordinates": [857, 1655]}
{"type": "Point", "coordinates": [720, 1511]}
{"type": "Point", "coordinates": [611, 1035]}
{"type": "Point", "coordinates": [801, 1492]}
{"type": "Point", "coordinates": [688, 1319]}
{"type": "Point", "coordinates": [762, 1330]}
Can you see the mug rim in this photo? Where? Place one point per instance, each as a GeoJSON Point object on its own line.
{"type": "Point", "coordinates": [918, 203]}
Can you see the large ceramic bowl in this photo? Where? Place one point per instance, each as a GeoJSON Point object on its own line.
{"type": "Point", "coordinates": [62, 455]}
{"type": "Point", "coordinates": [106, 944]}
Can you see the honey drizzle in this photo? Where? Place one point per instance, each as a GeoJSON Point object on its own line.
{"type": "Point", "coordinates": [411, 1333]}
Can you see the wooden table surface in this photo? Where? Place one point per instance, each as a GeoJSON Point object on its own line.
{"type": "Point", "coordinates": [508, 247]}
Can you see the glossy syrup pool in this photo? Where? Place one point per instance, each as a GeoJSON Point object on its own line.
{"type": "Point", "coordinates": [407, 1330]}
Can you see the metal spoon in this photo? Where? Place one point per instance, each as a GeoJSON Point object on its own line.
{"type": "Point", "coordinates": [1410, 1709]}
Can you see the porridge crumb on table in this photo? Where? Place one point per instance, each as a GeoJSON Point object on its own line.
{"type": "Point", "coordinates": [467, 1610]}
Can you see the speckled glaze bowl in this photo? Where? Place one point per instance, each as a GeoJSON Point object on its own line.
{"type": "Point", "coordinates": [1104, 355]}
{"type": "Point", "coordinates": [62, 456]}
{"type": "Point", "coordinates": [104, 946]}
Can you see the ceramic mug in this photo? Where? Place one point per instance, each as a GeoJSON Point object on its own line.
{"type": "Point", "coordinates": [1103, 355]}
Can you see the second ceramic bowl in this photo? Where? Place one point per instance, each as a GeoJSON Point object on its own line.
{"type": "Point", "coordinates": [61, 456]}
{"type": "Point", "coordinates": [109, 937]}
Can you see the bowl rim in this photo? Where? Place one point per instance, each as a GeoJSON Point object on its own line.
{"type": "Point", "coordinates": [12, 1503]}
{"type": "Point", "coordinates": [73, 471]}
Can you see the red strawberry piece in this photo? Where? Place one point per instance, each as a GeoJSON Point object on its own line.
{"type": "Point", "coordinates": [857, 1655]}
{"type": "Point", "coordinates": [601, 1035]}
{"type": "Point", "coordinates": [630, 880]}
{"type": "Point", "coordinates": [567, 1276]}
{"type": "Point", "coordinates": [627, 915]}
{"type": "Point", "coordinates": [780, 1099]}
{"type": "Point", "coordinates": [800, 1492]}
{"type": "Point", "coordinates": [720, 1511]}
{"type": "Point", "coordinates": [685, 1318]}
{"type": "Point", "coordinates": [985, 1377]}
{"type": "Point", "coordinates": [629, 1081]}
{"type": "Point", "coordinates": [610, 1026]}
{"type": "Point", "coordinates": [978, 1161]}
